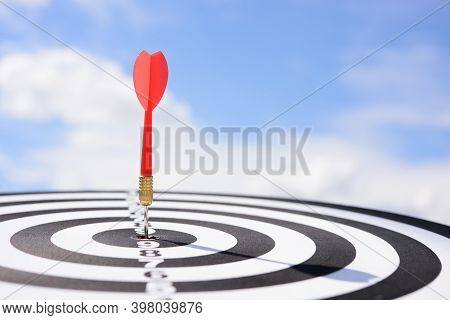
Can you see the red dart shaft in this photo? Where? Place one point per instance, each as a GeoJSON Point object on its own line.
{"type": "Point", "coordinates": [146, 159]}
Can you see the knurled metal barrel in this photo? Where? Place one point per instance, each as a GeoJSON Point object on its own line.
{"type": "Point", "coordinates": [145, 190]}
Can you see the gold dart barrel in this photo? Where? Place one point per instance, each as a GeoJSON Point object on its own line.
{"type": "Point", "coordinates": [145, 190]}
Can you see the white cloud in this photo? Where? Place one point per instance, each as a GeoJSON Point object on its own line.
{"type": "Point", "coordinates": [405, 86]}
{"type": "Point", "coordinates": [362, 174]}
{"type": "Point", "coordinates": [101, 145]}
{"type": "Point", "coordinates": [102, 117]}
{"type": "Point", "coordinates": [398, 113]}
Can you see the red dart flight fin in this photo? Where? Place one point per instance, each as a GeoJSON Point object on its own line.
{"type": "Point", "coordinates": [150, 78]}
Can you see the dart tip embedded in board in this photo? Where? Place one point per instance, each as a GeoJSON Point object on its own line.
{"type": "Point", "coordinates": [145, 198]}
{"type": "Point", "coordinates": [146, 223]}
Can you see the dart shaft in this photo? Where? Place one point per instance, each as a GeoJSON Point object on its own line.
{"type": "Point", "coordinates": [146, 159]}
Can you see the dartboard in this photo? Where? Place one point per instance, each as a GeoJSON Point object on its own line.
{"type": "Point", "coordinates": [89, 244]}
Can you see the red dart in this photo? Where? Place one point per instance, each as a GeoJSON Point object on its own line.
{"type": "Point", "coordinates": [150, 80]}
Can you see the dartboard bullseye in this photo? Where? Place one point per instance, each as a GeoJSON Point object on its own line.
{"type": "Point", "coordinates": [88, 245]}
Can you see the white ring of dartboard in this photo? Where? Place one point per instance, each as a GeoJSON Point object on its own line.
{"type": "Point", "coordinates": [84, 245]}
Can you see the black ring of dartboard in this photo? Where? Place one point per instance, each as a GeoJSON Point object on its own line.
{"type": "Point", "coordinates": [32, 240]}
{"type": "Point", "coordinates": [424, 264]}
{"type": "Point", "coordinates": [332, 253]}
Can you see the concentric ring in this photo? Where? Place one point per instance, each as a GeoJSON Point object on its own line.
{"type": "Point", "coordinates": [335, 269]}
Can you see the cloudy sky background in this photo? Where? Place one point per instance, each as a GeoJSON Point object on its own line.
{"type": "Point", "coordinates": [381, 132]}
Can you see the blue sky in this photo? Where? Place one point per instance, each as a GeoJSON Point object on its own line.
{"type": "Point", "coordinates": [240, 63]}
